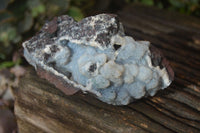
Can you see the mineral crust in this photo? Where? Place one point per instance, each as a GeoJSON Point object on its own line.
{"type": "Point", "coordinates": [94, 55]}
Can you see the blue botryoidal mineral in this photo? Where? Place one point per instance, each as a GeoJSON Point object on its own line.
{"type": "Point", "coordinates": [94, 55]}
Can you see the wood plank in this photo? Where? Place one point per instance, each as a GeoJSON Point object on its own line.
{"type": "Point", "coordinates": [40, 106]}
{"type": "Point", "coordinates": [52, 106]}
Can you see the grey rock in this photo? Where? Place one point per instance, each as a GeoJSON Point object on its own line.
{"type": "Point", "coordinates": [94, 55]}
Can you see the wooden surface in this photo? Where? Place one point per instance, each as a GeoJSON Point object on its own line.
{"type": "Point", "coordinates": [40, 107]}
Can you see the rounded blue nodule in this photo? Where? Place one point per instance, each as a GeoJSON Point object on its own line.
{"type": "Point", "coordinates": [64, 42]}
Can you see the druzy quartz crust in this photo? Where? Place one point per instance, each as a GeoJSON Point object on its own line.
{"type": "Point", "coordinates": [94, 55]}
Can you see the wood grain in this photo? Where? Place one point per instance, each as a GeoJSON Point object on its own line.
{"type": "Point", "coordinates": [39, 106]}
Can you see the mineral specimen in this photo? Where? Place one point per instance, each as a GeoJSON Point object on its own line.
{"type": "Point", "coordinates": [94, 55]}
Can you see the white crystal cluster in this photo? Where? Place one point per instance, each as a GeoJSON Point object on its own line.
{"type": "Point", "coordinates": [117, 74]}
